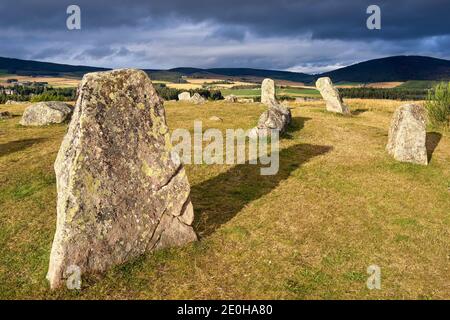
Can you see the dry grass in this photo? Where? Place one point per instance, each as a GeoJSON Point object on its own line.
{"type": "Point", "coordinates": [378, 85]}
{"type": "Point", "coordinates": [338, 205]}
{"type": "Point", "coordinates": [57, 82]}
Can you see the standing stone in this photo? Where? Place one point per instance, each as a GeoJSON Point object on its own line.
{"type": "Point", "coordinates": [267, 91]}
{"type": "Point", "coordinates": [407, 135]}
{"type": "Point", "coordinates": [44, 113]}
{"type": "Point", "coordinates": [277, 117]}
{"type": "Point", "coordinates": [184, 96]}
{"type": "Point", "coordinates": [121, 191]}
{"type": "Point", "coordinates": [197, 99]}
{"type": "Point", "coordinates": [331, 96]}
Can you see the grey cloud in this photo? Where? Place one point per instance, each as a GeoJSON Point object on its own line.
{"type": "Point", "coordinates": [283, 34]}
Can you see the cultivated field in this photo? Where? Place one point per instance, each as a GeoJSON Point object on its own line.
{"type": "Point", "coordinates": [338, 205]}
{"type": "Point", "coordinates": [57, 82]}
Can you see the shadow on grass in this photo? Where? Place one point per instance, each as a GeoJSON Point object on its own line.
{"type": "Point", "coordinates": [358, 111]}
{"type": "Point", "coordinates": [19, 145]}
{"type": "Point", "coordinates": [218, 200]}
{"type": "Point", "coordinates": [433, 139]}
{"type": "Point", "coordinates": [297, 124]}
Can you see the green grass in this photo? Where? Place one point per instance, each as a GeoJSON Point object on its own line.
{"type": "Point", "coordinates": [338, 205]}
{"type": "Point", "coordinates": [418, 84]}
{"type": "Point", "coordinates": [281, 92]}
{"type": "Point", "coordinates": [242, 92]}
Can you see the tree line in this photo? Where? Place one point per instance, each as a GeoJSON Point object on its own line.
{"type": "Point", "coordinates": [380, 93]}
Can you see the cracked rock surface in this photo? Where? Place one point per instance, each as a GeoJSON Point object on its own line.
{"type": "Point", "coordinates": [331, 96]}
{"type": "Point", "coordinates": [408, 135]}
{"type": "Point", "coordinates": [44, 113]}
{"type": "Point", "coordinates": [121, 190]}
{"type": "Point", "coordinates": [277, 117]}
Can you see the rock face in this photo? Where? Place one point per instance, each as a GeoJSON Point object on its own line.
{"type": "Point", "coordinates": [121, 190]}
{"type": "Point", "coordinates": [277, 117]}
{"type": "Point", "coordinates": [231, 98]}
{"type": "Point", "coordinates": [44, 113]}
{"type": "Point", "coordinates": [407, 135]}
{"type": "Point", "coordinates": [267, 91]}
{"type": "Point", "coordinates": [5, 115]}
{"type": "Point", "coordinates": [197, 99]}
{"type": "Point", "coordinates": [331, 96]}
{"type": "Point", "coordinates": [184, 96]}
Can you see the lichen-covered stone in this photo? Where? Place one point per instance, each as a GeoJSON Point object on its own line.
{"type": "Point", "coordinates": [277, 117]}
{"type": "Point", "coordinates": [268, 92]}
{"type": "Point", "coordinates": [197, 99]}
{"type": "Point", "coordinates": [121, 190]}
{"type": "Point", "coordinates": [407, 135]}
{"type": "Point", "coordinates": [44, 113]}
{"type": "Point", "coordinates": [184, 96]}
{"type": "Point", "coordinates": [331, 96]}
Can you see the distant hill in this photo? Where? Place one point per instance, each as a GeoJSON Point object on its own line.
{"type": "Point", "coordinates": [29, 68]}
{"type": "Point", "coordinates": [246, 73]}
{"type": "Point", "coordinates": [390, 69]}
{"type": "Point", "coordinates": [398, 68]}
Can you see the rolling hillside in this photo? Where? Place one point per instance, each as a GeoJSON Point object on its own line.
{"type": "Point", "coordinates": [398, 68]}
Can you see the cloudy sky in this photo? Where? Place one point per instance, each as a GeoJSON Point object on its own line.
{"type": "Point", "coordinates": [298, 35]}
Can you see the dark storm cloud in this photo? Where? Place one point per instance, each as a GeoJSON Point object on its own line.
{"type": "Point", "coordinates": [324, 19]}
{"type": "Point", "coordinates": [271, 34]}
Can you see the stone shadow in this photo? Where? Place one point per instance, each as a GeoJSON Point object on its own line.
{"type": "Point", "coordinates": [357, 112]}
{"type": "Point", "coordinates": [15, 146]}
{"type": "Point", "coordinates": [297, 124]}
{"type": "Point", "coordinates": [433, 139]}
{"type": "Point", "coordinates": [218, 200]}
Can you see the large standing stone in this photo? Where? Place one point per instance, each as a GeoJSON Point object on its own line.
{"type": "Point", "coordinates": [277, 117]}
{"type": "Point", "coordinates": [121, 191]}
{"type": "Point", "coordinates": [184, 96]}
{"type": "Point", "coordinates": [407, 135]}
{"type": "Point", "coordinates": [331, 96]}
{"type": "Point", "coordinates": [267, 91]}
{"type": "Point", "coordinates": [44, 113]}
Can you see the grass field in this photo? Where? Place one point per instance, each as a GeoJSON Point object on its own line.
{"type": "Point", "coordinates": [295, 92]}
{"type": "Point", "coordinates": [418, 84]}
{"type": "Point", "coordinates": [338, 204]}
{"type": "Point", "coordinates": [57, 82]}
